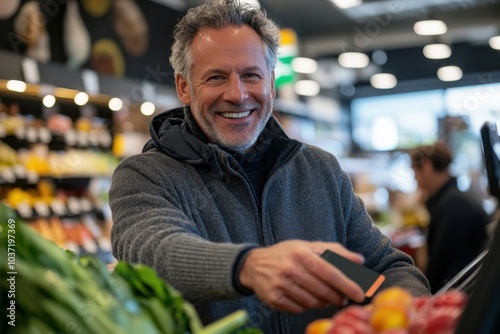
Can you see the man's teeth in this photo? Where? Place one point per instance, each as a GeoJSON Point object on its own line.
{"type": "Point", "coordinates": [236, 115]}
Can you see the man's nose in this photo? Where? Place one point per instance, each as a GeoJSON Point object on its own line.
{"type": "Point", "coordinates": [236, 90]}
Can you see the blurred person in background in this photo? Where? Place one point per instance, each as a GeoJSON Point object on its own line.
{"type": "Point", "coordinates": [456, 233]}
{"type": "Point", "coordinates": [230, 210]}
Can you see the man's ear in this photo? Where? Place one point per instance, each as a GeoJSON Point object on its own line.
{"type": "Point", "coordinates": [427, 165]}
{"type": "Point", "coordinates": [273, 85]}
{"type": "Point", "coordinates": [183, 91]}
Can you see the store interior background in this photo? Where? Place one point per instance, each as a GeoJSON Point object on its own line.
{"type": "Point", "coordinates": [56, 158]}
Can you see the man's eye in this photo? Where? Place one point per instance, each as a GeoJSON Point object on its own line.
{"type": "Point", "coordinates": [252, 75]}
{"type": "Point", "coordinates": [215, 78]}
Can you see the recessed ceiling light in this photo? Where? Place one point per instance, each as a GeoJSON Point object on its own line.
{"type": "Point", "coordinates": [147, 108]}
{"type": "Point", "coordinates": [304, 65]}
{"type": "Point", "coordinates": [344, 4]}
{"type": "Point", "coordinates": [115, 104]}
{"type": "Point", "coordinates": [49, 100]}
{"type": "Point", "coordinates": [494, 42]}
{"type": "Point", "coordinates": [353, 60]}
{"type": "Point", "coordinates": [307, 87]}
{"type": "Point", "coordinates": [437, 51]}
{"type": "Point", "coordinates": [450, 73]}
{"type": "Point", "coordinates": [16, 86]}
{"type": "Point", "coordinates": [383, 81]}
{"type": "Point", "coordinates": [81, 98]}
{"type": "Point", "coordinates": [430, 27]}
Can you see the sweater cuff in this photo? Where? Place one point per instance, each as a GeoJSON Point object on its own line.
{"type": "Point", "coordinates": [238, 265]}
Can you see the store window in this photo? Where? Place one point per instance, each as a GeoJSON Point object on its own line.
{"type": "Point", "coordinates": [395, 122]}
{"type": "Point", "coordinates": [480, 103]}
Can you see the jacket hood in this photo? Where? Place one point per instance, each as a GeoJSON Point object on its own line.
{"type": "Point", "coordinates": [171, 133]}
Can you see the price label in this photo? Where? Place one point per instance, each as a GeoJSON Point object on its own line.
{"type": "Point", "coordinates": [94, 138]}
{"type": "Point", "coordinates": [85, 204]}
{"type": "Point", "coordinates": [19, 171]}
{"type": "Point", "coordinates": [30, 70]}
{"type": "Point", "coordinates": [71, 138]}
{"type": "Point", "coordinates": [44, 135]}
{"type": "Point", "coordinates": [32, 177]}
{"type": "Point", "coordinates": [42, 209]}
{"type": "Point", "coordinates": [90, 81]}
{"type": "Point", "coordinates": [58, 207]}
{"type": "Point", "coordinates": [24, 210]}
{"type": "Point", "coordinates": [90, 246]}
{"type": "Point", "coordinates": [31, 134]}
{"type": "Point", "coordinates": [72, 246]}
{"type": "Point", "coordinates": [20, 132]}
{"type": "Point", "coordinates": [74, 205]}
{"type": "Point", "coordinates": [105, 139]}
{"type": "Point", "coordinates": [83, 139]}
{"type": "Point", "coordinates": [8, 175]}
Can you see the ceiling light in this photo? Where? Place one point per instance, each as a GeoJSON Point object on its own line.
{"type": "Point", "coordinates": [81, 99]}
{"type": "Point", "coordinates": [16, 86]}
{"type": "Point", "coordinates": [437, 51]}
{"type": "Point", "coordinates": [353, 60]}
{"type": "Point", "coordinates": [495, 42]}
{"type": "Point", "coordinates": [450, 73]}
{"type": "Point", "coordinates": [344, 4]}
{"type": "Point", "coordinates": [49, 100]}
{"type": "Point", "coordinates": [304, 65]}
{"type": "Point", "coordinates": [430, 27]}
{"type": "Point", "coordinates": [383, 81]}
{"type": "Point", "coordinates": [307, 87]}
{"type": "Point", "coordinates": [115, 104]}
{"type": "Point", "coordinates": [147, 108]}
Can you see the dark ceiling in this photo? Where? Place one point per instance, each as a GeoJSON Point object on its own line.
{"type": "Point", "coordinates": [324, 31]}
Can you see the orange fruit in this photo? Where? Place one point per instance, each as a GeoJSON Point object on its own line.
{"type": "Point", "coordinates": [319, 326]}
{"type": "Point", "coordinates": [393, 295]}
{"type": "Point", "coordinates": [389, 316]}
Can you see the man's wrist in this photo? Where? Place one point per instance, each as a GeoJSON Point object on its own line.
{"type": "Point", "coordinates": [238, 266]}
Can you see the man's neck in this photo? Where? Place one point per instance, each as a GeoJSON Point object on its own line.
{"type": "Point", "coordinates": [440, 180]}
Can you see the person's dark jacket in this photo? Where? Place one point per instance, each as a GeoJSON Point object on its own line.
{"type": "Point", "coordinates": [456, 234]}
{"type": "Point", "coordinates": [186, 208]}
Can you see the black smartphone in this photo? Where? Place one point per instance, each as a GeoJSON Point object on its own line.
{"type": "Point", "coordinates": [366, 278]}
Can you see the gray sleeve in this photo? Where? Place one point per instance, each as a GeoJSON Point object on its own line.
{"type": "Point", "coordinates": [150, 228]}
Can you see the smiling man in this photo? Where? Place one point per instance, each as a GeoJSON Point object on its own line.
{"type": "Point", "coordinates": [230, 90]}
{"type": "Point", "coordinates": [227, 208]}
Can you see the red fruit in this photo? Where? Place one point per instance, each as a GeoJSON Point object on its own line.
{"type": "Point", "coordinates": [396, 331]}
{"type": "Point", "coordinates": [453, 298]}
{"type": "Point", "coordinates": [443, 320]}
{"type": "Point", "coordinates": [353, 313]}
{"type": "Point", "coordinates": [422, 303]}
{"type": "Point", "coordinates": [418, 324]}
{"type": "Point", "coordinates": [351, 328]}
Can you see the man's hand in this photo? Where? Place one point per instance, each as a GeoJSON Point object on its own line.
{"type": "Point", "coordinates": [292, 276]}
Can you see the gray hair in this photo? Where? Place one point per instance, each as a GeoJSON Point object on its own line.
{"type": "Point", "coordinates": [217, 14]}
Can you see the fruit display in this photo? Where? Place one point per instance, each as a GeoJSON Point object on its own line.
{"type": "Point", "coordinates": [395, 311]}
{"type": "Point", "coordinates": [8, 156]}
{"type": "Point", "coordinates": [55, 166]}
{"type": "Point", "coordinates": [51, 290]}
